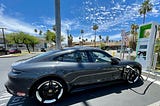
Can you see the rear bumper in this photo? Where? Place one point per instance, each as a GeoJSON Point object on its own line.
{"type": "Point", "coordinates": [19, 84]}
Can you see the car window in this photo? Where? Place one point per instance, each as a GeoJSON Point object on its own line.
{"type": "Point", "coordinates": [70, 57]}
{"type": "Point", "coordinates": [99, 57]}
{"type": "Point", "coordinates": [79, 56]}
{"type": "Point", "coordinates": [83, 55]}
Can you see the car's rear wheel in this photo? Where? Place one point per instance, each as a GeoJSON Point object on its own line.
{"type": "Point", "coordinates": [133, 75]}
{"type": "Point", "coordinates": [49, 91]}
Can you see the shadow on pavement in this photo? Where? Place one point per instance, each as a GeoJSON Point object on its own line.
{"type": "Point", "coordinates": [77, 97]}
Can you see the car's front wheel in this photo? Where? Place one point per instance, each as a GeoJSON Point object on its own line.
{"type": "Point", "coordinates": [49, 91]}
{"type": "Point", "coordinates": [133, 75]}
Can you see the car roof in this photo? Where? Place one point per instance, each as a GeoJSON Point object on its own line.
{"type": "Point", "coordinates": [57, 52]}
{"type": "Point", "coordinates": [80, 48]}
{"type": "Point", "coordinates": [72, 49]}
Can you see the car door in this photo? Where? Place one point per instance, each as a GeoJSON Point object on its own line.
{"type": "Point", "coordinates": [75, 67]}
{"type": "Point", "coordinates": [103, 69]}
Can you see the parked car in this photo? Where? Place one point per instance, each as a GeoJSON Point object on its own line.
{"type": "Point", "coordinates": [126, 50]}
{"type": "Point", "coordinates": [48, 76]}
{"type": "Point", "coordinates": [14, 50]}
{"type": "Point", "coordinates": [3, 51]}
{"type": "Point", "coordinates": [43, 50]}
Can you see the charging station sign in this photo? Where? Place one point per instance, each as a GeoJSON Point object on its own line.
{"type": "Point", "coordinates": [145, 44]}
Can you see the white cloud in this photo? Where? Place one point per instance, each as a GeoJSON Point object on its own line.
{"type": "Point", "coordinates": [2, 7]}
{"type": "Point", "coordinates": [14, 24]}
{"type": "Point", "coordinates": [154, 10]}
{"type": "Point", "coordinates": [48, 21]}
{"type": "Point", "coordinates": [113, 37]}
{"type": "Point", "coordinates": [113, 1]}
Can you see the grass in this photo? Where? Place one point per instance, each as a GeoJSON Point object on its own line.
{"type": "Point", "coordinates": [24, 53]}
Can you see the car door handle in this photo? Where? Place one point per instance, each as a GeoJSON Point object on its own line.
{"type": "Point", "coordinates": [98, 68]}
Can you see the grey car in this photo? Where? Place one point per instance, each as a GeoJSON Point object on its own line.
{"type": "Point", "coordinates": [49, 76]}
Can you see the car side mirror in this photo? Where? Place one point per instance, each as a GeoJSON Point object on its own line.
{"type": "Point", "coordinates": [115, 61]}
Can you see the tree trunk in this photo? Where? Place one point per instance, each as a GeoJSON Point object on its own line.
{"type": "Point", "coordinates": [144, 18]}
{"type": "Point", "coordinates": [27, 46]}
{"type": "Point", "coordinates": [95, 39]}
{"type": "Point", "coordinates": [33, 47]}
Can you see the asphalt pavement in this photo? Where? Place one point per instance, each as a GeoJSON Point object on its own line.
{"type": "Point", "coordinates": [143, 93]}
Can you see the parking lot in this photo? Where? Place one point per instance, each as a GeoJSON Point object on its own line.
{"type": "Point", "coordinates": [143, 93]}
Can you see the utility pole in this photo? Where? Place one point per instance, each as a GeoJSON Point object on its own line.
{"type": "Point", "coordinates": [4, 39]}
{"type": "Point", "coordinates": [67, 37]}
{"type": "Point", "coordinates": [58, 24]}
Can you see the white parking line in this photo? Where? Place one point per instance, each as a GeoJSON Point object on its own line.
{"type": "Point", "coordinates": [2, 99]}
{"type": "Point", "coordinates": [151, 80]}
{"type": "Point", "coordinates": [156, 82]}
{"type": "Point", "coordinates": [3, 104]}
{"type": "Point", "coordinates": [155, 104]}
{"type": "Point", "coordinates": [5, 96]}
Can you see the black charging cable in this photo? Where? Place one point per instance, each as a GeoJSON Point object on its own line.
{"type": "Point", "coordinates": [147, 87]}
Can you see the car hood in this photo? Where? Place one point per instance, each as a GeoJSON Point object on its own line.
{"type": "Point", "coordinates": [128, 62]}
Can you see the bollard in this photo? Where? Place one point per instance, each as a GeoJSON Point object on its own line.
{"type": "Point", "coordinates": [113, 53]}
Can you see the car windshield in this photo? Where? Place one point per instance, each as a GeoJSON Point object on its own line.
{"type": "Point", "coordinates": [13, 49]}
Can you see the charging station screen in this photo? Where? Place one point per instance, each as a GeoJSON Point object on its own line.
{"type": "Point", "coordinates": [143, 46]}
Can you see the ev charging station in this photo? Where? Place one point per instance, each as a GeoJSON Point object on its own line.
{"type": "Point", "coordinates": [145, 44]}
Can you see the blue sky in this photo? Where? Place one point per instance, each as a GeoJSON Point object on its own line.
{"type": "Point", "coordinates": [111, 16]}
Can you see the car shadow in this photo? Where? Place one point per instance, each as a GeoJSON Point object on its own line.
{"type": "Point", "coordinates": [81, 96]}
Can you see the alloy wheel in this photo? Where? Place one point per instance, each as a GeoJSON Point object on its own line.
{"type": "Point", "coordinates": [133, 75]}
{"type": "Point", "coordinates": [49, 91]}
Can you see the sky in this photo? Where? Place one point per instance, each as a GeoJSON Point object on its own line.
{"type": "Point", "coordinates": [111, 16]}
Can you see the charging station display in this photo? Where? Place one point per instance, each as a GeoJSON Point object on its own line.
{"type": "Point", "coordinates": [145, 44]}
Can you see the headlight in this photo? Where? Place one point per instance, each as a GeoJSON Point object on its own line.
{"type": "Point", "coordinates": [16, 72]}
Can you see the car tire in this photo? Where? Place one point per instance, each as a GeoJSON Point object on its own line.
{"type": "Point", "coordinates": [49, 91]}
{"type": "Point", "coordinates": [133, 75]}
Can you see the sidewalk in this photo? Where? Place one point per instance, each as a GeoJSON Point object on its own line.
{"type": "Point", "coordinates": [18, 54]}
{"type": "Point", "coordinates": [153, 75]}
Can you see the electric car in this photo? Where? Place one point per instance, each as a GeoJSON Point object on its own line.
{"type": "Point", "coordinates": [49, 76]}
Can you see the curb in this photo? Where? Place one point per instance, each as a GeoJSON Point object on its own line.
{"type": "Point", "coordinates": [8, 56]}
{"type": "Point", "coordinates": [153, 75]}
{"type": "Point", "coordinates": [13, 55]}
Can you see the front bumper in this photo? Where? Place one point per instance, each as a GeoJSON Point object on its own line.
{"type": "Point", "coordinates": [20, 83]}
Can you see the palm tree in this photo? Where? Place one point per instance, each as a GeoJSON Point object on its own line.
{"type": "Point", "coordinates": [54, 28]}
{"type": "Point", "coordinates": [79, 40]}
{"type": "Point", "coordinates": [145, 7]}
{"type": "Point", "coordinates": [82, 31]}
{"type": "Point", "coordinates": [100, 38]}
{"type": "Point", "coordinates": [40, 32]}
{"type": "Point", "coordinates": [95, 27]}
{"type": "Point", "coordinates": [134, 33]}
{"type": "Point", "coordinates": [35, 30]}
{"type": "Point", "coordinates": [107, 39]}
{"type": "Point", "coordinates": [70, 39]}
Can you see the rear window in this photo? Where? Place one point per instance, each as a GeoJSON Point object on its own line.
{"type": "Point", "coordinates": [43, 55]}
